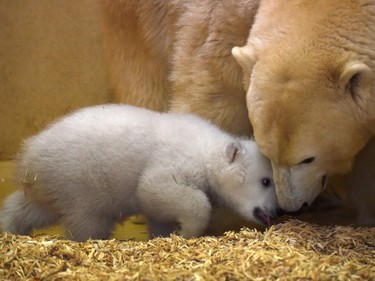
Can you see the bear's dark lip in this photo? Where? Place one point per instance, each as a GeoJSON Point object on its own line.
{"type": "Point", "coordinates": [263, 217]}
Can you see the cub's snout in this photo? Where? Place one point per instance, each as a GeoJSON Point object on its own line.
{"type": "Point", "coordinates": [268, 210]}
{"type": "Point", "coordinates": [247, 184]}
{"type": "Point", "coordinates": [267, 217]}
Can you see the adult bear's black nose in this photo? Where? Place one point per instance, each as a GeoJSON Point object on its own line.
{"type": "Point", "coordinates": [279, 212]}
{"type": "Point", "coordinates": [301, 210]}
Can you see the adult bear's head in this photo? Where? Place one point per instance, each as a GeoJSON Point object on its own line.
{"type": "Point", "coordinates": [310, 90]}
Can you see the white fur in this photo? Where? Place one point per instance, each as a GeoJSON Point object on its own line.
{"type": "Point", "coordinates": [105, 163]}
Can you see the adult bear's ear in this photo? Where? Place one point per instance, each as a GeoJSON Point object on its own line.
{"type": "Point", "coordinates": [357, 78]}
{"type": "Point", "coordinates": [245, 57]}
{"type": "Point", "coordinates": [232, 151]}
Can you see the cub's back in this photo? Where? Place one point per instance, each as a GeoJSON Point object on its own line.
{"type": "Point", "coordinates": [116, 140]}
{"type": "Point", "coordinates": [88, 142]}
{"type": "Point", "coordinates": [100, 127]}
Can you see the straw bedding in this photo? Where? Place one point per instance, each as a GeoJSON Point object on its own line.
{"type": "Point", "coordinates": [288, 251]}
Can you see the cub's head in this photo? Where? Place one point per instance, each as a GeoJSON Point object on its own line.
{"type": "Point", "coordinates": [244, 180]}
{"type": "Point", "coordinates": [310, 94]}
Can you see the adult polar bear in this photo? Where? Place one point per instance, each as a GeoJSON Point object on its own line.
{"type": "Point", "coordinates": [315, 60]}
{"type": "Point", "coordinates": [311, 99]}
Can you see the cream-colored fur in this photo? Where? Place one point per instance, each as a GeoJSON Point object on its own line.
{"type": "Point", "coordinates": [311, 65]}
{"type": "Point", "coordinates": [311, 98]}
{"type": "Point", "coordinates": [176, 55]}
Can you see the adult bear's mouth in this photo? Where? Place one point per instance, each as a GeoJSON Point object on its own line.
{"type": "Point", "coordinates": [263, 217]}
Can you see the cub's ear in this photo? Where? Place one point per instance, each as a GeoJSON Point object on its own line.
{"type": "Point", "coordinates": [232, 151]}
{"type": "Point", "coordinates": [245, 57]}
{"type": "Point", "coordinates": [356, 78]}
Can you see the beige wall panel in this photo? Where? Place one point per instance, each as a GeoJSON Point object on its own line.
{"type": "Point", "coordinates": [51, 62]}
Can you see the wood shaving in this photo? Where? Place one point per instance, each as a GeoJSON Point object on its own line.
{"type": "Point", "coordinates": [292, 250]}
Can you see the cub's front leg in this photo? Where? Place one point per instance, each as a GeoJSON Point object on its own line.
{"type": "Point", "coordinates": [167, 201]}
{"type": "Point", "coordinates": [157, 228]}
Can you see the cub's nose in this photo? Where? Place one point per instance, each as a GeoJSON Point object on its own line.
{"type": "Point", "coordinates": [301, 210]}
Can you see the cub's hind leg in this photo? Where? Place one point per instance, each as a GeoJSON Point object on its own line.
{"type": "Point", "coordinates": [21, 213]}
{"type": "Point", "coordinates": [82, 225]}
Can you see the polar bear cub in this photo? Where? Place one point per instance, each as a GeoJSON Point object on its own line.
{"type": "Point", "coordinates": [102, 164]}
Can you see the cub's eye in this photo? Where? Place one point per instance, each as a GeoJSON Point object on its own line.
{"type": "Point", "coordinates": [307, 160]}
{"type": "Point", "coordinates": [266, 182]}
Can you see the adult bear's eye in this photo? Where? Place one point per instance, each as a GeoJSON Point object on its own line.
{"type": "Point", "coordinates": [307, 160]}
{"type": "Point", "coordinates": [266, 182]}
